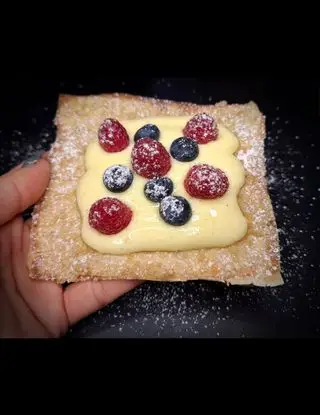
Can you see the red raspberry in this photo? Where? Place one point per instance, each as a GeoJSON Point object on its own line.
{"type": "Point", "coordinates": [150, 159]}
{"type": "Point", "coordinates": [206, 182]}
{"type": "Point", "coordinates": [112, 136]}
{"type": "Point", "coordinates": [202, 128]}
{"type": "Point", "coordinates": [109, 215]}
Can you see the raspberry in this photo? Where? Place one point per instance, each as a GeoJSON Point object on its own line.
{"type": "Point", "coordinates": [202, 128]}
{"type": "Point", "coordinates": [150, 159]}
{"type": "Point", "coordinates": [206, 182]}
{"type": "Point", "coordinates": [109, 215]}
{"type": "Point", "coordinates": [112, 136]}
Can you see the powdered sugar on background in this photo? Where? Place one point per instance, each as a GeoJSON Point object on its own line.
{"type": "Point", "coordinates": [203, 309]}
{"type": "Point", "coordinates": [207, 309]}
{"type": "Point", "coordinates": [23, 146]}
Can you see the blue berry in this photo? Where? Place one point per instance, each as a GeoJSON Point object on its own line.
{"type": "Point", "coordinates": [117, 178]}
{"type": "Point", "coordinates": [147, 131]}
{"type": "Point", "coordinates": [175, 210]}
{"type": "Point", "coordinates": [184, 149]}
{"type": "Point", "coordinates": [156, 189]}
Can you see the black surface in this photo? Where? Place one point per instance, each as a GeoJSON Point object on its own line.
{"type": "Point", "coordinates": [201, 308]}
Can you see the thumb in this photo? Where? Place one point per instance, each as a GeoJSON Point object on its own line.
{"type": "Point", "coordinates": [22, 188]}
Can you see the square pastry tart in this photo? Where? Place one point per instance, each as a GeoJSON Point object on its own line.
{"type": "Point", "coordinates": [156, 190]}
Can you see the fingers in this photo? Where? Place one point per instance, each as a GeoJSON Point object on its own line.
{"type": "Point", "coordinates": [84, 298]}
{"type": "Point", "coordinates": [21, 188]}
{"type": "Point", "coordinates": [44, 298]}
{"type": "Point", "coordinates": [29, 161]}
{"type": "Point", "coordinates": [45, 155]}
{"type": "Point", "coordinates": [10, 172]}
{"type": "Point", "coordinates": [19, 297]}
{"type": "Point", "coordinates": [5, 256]}
{"type": "Point", "coordinates": [28, 224]}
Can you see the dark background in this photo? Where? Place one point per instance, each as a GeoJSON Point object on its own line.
{"type": "Point", "coordinates": [291, 104]}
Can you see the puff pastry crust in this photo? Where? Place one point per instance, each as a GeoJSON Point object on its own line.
{"type": "Point", "coordinates": [57, 251]}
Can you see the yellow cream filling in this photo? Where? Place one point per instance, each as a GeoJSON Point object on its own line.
{"type": "Point", "coordinates": [214, 223]}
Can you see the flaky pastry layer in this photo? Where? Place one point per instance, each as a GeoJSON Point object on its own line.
{"type": "Point", "coordinates": [57, 251]}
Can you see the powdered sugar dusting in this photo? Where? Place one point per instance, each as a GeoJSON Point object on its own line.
{"type": "Point", "coordinates": [79, 117]}
{"type": "Point", "coordinates": [251, 160]}
{"type": "Point", "coordinates": [173, 205]}
{"type": "Point", "coordinates": [18, 146]}
{"type": "Point", "coordinates": [110, 209]}
{"type": "Point", "coordinates": [150, 159]}
{"type": "Point", "coordinates": [112, 135]}
{"type": "Point", "coordinates": [147, 149]}
{"type": "Point", "coordinates": [205, 181]}
{"type": "Point", "coordinates": [206, 309]}
{"type": "Point", "coordinates": [107, 132]}
{"type": "Point", "coordinates": [117, 176]}
{"type": "Point", "coordinates": [109, 215]}
{"type": "Point", "coordinates": [157, 309]}
{"type": "Point", "coordinates": [199, 308]}
{"type": "Point", "coordinates": [157, 189]}
{"type": "Point", "coordinates": [63, 171]}
{"type": "Point", "coordinates": [213, 213]}
{"type": "Point", "coordinates": [202, 128]}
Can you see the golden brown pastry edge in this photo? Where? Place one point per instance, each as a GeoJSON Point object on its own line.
{"type": "Point", "coordinates": [57, 251]}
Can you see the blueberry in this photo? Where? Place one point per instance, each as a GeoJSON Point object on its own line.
{"type": "Point", "coordinates": [156, 189]}
{"type": "Point", "coordinates": [117, 178]}
{"type": "Point", "coordinates": [184, 149]}
{"type": "Point", "coordinates": [147, 131]}
{"type": "Point", "coordinates": [175, 210]}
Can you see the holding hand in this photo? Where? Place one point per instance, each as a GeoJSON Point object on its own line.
{"type": "Point", "coordinates": [30, 308]}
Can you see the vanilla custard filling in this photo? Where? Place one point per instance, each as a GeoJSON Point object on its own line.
{"type": "Point", "coordinates": [214, 223]}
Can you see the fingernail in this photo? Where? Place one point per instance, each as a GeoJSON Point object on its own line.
{"type": "Point", "coordinates": [30, 161]}
{"type": "Point", "coordinates": [28, 213]}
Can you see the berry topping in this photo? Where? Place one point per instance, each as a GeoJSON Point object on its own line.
{"type": "Point", "coordinates": [150, 159]}
{"type": "Point", "coordinates": [117, 178]}
{"type": "Point", "coordinates": [147, 131]}
{"type": "Point", "coordinates": [206, 182]}
{"type": "Point", "coordinates": [184, 149]}
{"type": "Point", "coordinates": [175, 210]}
{"type": "Point", "coordinates": [156, 189]}
{"type": "Point", "coordinates": [109, 215]}
{"type": "Point", "coordinates": [202, 128]}
{"type": "Point", "coordinates": [113, 137]}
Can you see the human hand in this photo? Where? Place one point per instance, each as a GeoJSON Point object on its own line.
{"type": "Point", "coordinates": [30, 308]}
